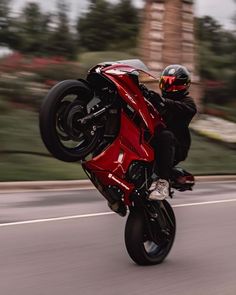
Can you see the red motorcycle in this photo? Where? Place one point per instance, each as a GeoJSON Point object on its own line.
{"type": "Point", "coordinates": [106, 123]}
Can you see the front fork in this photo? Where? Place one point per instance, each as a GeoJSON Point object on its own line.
{"type": "Point", "coordinates": [157, 220]}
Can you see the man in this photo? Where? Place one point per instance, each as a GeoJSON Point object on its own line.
{"type": "Point", "coordinates": [177, 109]}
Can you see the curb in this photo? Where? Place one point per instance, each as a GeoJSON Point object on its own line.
{"type": "Point", "coordinates": [215, 178]}
{"type": "Point", "coordinates": [211, 128]}
{"type": "Point", "coordinates": [83, 184]}
{"type": "Point", "coordinates": [46, 185]}
{"type": "Point", "coordinates": [214, 139]}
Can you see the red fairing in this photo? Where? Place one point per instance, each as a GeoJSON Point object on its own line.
{"type": "Point", "coordinates": [112, 164]}
{"type": "Point", "coordinates": [130, 93]}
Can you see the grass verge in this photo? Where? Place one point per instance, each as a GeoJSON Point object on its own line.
{"type": "Point", "coordinates": [208, 157]}
{"type": "Point", "coordinates": [19, 131]}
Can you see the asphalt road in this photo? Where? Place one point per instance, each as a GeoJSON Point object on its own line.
{"type": "Point", "coordinates": [57, 243]}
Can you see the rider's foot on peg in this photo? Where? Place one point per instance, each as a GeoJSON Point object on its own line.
{"type": "Point", "coordinates": [160, 190]}
{"type": "Point", "coordinates": [118, 207]}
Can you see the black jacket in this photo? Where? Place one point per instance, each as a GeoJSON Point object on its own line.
{"type": "Point", "coordinates": [177, 115]}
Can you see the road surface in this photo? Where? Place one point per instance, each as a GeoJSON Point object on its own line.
{"type": "Point", "coordinates": [69, 243]}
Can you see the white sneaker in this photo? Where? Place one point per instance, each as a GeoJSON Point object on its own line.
{"type": "Point", "coordinates": [160, 190]}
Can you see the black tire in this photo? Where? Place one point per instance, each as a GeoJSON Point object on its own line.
{"type": "Point", "coordinates": [48, 125]}
{"type": "Point", "coordinates": [136, 237]}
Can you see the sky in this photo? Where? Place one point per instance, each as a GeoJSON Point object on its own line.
{"type": "Point", "coordinates": [214, 8]}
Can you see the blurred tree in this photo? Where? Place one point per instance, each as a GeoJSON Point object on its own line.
{"type": "Point", "coordinates": [61, 41]}
{"type": "Point", "coordinates": [216, 59]}
{"type": "Point", "coordinates": [38, 33]}
{"type": "Point", "coordinates": [127, 24]}
{"type": "Point", "coordinates": [96, 27]}
{"type": "Point", "coordinates": [234, 17]}
{"type": "Point", "coordinates": [233, 78]}
{"type": "Point", "coordinates": [31, 30]}
{"type": "Point", "coordinates": [4, 21]}
{"type": "Point", "coordinates": [106, 26]}
{"type": "Point", "coordinates": [209, 30]}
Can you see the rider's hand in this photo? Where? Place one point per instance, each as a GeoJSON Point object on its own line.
{"type": "Point", "coordinates": [155, 95]}
{"type": "Point", "coordinates": [144, 90]}
{"type": "Point", "coordinates": [156, 99]}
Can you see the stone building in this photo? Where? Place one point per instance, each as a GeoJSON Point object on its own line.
{"type": "Point", "coordinates": [167, 37]}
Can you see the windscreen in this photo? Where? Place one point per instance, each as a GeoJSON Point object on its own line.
{"type": "Point", "coordinates": [134, 63]}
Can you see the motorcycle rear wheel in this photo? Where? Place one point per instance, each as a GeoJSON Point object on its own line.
{"type": "Point", "coordinates": [66, 99]}
{"type": "Point", "coordinates": [141, 248]}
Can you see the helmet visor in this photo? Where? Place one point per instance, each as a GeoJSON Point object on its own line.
{"type": "Point", "coordinates": [172, 84]}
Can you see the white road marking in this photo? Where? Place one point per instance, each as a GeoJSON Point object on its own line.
{"type": "Point", "coordinates": [39, 190]}
{"type": "Point", "coordinates": [204, 203]}
{"type": "Point", "coordinates": [55, 219]}
{"type": "Point", "coordinates": [105, 213]}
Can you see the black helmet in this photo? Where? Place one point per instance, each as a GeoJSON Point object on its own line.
{"type": "Point", "coordinates": [174, 81]}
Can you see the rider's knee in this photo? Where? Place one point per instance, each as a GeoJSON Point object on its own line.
{"type": "Point", "coordinates": [167, 137]}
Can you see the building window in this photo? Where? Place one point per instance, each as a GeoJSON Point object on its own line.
{"type": "Point", "coordinates": [155, 65]}
{"type": "Point", "coordinates": [187, 8]}
{"type": "Point", "coordinates": [188, 27]}
{"type": "Point", "coordinates": [188, 37]}
{"type": "Point", "coordinates": [187, 17]}
{"type": "Point", "coordinates": [188, 1]}
{"type": "Point", "coordinates": [158, 6]}
{"type": "Point", "coordinates": [157, 16]}
{"type": "Point", "coordinates": [155, 55]}
{"type": "Point", "coordinates": [155, 46]}
{"type": "Point", "coordinates": [155, 35]}
{"type": "Point", "coordinates": [155, 25]}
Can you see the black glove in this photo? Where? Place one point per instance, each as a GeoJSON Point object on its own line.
{"type": "Point", "coordinates": [144, 90]}
{"type": "Point", "coordinates": [157, 101]}
{"type": "Point", "coordinates": [152, 95]}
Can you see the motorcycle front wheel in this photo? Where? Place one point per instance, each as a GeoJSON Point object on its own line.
{"type": "Point", "coordinates": [61, 111]}
{"type": "Point", "coordinates": [148, 242]}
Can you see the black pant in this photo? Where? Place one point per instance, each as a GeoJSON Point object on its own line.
{"type": "Point", "coordinates": [168, 153]}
